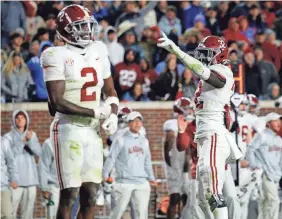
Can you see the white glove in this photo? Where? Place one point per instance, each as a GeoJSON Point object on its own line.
{"type": "Point", "coordinates": [111, 124]}
{"type": "Point", "coordinates": [168, 44]}
{"type": "Point", "coordinates": [102, 112]}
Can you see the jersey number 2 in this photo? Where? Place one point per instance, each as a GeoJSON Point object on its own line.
{"type": "Point", "coordinates": [94, 82]}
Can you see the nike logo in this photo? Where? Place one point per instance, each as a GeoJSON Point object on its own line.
{"type": "Point", "coordinates": [98, 58]}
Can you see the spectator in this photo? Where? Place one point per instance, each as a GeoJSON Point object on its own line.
{"type": "Point", "coordinates": [34, 49]}
{"type": "Point", "coordinates": [187, 86]}
{"type": "Point", "coordinates": [12, 17]}
{"type": "Point", "coordinates": [129, 150]}
{"type": "Point", "coordinates": [272, 93]}
{"type": "Point", "coordinates": [241, 9]}
{"type": "Point", "coordinates": [131, 42]}
{"type": "Point", "coordinates": [150, 19]}
{"type": "Point", "coordinates": [162, 65]}
{"type": "Point", "coordinates": [127, 73]}
{"type": "Point", "coordinates": [42, 35]}
{"type": "Point", "coordinates": [166, 85]}
{"type": "Point", "coordinates": [223, 15]}
{"type": "Point", "coordinates": [37, 74]}
{"type": "Point", "coordinates": [15, 79]}
{"type": "Point", "coordinates": [267, 69]}
{"type": "Point", "coordinates": [271, 38]}
{"type": "Point", "coordinates": [234, 60]}
{"type": "Point", "coordinates": [170, 23]}
{"type": "Point", "coordinates": [136, 94]}
{"type": "Point", "coordinates": [15, 44]}
{"type": "Point", "coordinates": [191, 39]}
{"type": "Point", "coordinates": [9, 178]}
{"type": "Point", "coordinates": [233, 32]}
{"type": "Point", "coordinates": [33, 22]}
{"type": "Point", "coordinates": [190, 11]}
{"type": "Point", "coordinates": [49, 7]}
{"type": "Point", "coordinates": [149, 75]}
{"type": "Point", "coordinates": [268, 14]}
{"type": "Point", "coordinates": [265, 152]}
{"type": "Point", "coordinates": [116, 50]}
{"type": "Point", "coordinates": [132, 14]}
{"type": "Point", "coordinates": [48, 182]}
{"type": "Point", "coordinates": [270, 51]}
{"type": "Point", "coordinates": [247, 31]}
{"type": "Point", "coordinates": [212, 21]}
{"type": "Point", "coordinates": [255, 18]}
{"type": "Point", "coordinates": [161, 9]}
{"type": "Point", "coordinates": [101, 9]}
{"type": "Point", "coordinates": [199, 24]}
{"type": "Point", "coordinates": [253, 79]}
{"type": "Point", "coordinates": [26, 149]}
{"type": "Point", "coordinates": [51, 26]}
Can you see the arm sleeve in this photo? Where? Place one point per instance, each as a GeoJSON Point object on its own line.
{"type": "Point", "coordinates": [44, 167]}
{"type": "Point", "coordinates": [110, 161]}
{"type": "Point", "coordinates": [149, 7]}
{"type": "Point", "coordinates": [250, 155]}
{"type": "Point", "coordinates": [148, 163]}
{"type": "Point", "coordinates": [12, 170]}
{"type": "Point", "coordinates": [53, 69]}
{"type": "Point", "coordinates": [34, 144]}
{"type": "Point", "coordinates": [106, 61]}
{"type": "Point", "coordinates": [23, 18]}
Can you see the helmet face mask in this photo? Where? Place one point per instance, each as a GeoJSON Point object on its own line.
{"type": "Point", "coordinates": [206, 55]}
{"type": "Point", "coordinates": [211, 50]}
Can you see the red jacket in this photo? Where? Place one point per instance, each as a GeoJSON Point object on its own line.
{"type": "Point", "coordinates": [271, 54]}
{"type": "Point", "coordinates": [186, 140]}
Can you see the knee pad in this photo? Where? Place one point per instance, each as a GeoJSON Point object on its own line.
{"type": "Point", "coordinates": [216, 201]}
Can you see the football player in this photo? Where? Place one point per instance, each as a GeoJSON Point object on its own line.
{"type": "Point", "coordinates": [176, 164]}
{"type": "Point", "coordinates": [75, 74]}
{"type": "Point", "coordinates": [212, 98]}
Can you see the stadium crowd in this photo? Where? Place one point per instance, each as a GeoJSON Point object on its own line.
{"type": "Point", "coordinates": [141, 70]}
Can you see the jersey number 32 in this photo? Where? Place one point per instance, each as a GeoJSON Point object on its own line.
{"type": "Point", "coordinates": [83, 95]}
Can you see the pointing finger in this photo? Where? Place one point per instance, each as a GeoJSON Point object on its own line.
{"type": "Point", "coordinates": [164, 35]}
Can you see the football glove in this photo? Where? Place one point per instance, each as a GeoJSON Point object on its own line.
{"type": "Point", "coordinates": [168, 44]}
{"type": "Point", "coordinates": [102, 112]}
{"type": "Point", "coordinates": [111, 124]}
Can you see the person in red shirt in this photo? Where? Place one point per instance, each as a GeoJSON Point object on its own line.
{"type": "Point", "coordinates": [270, 50]}
{"type": "Point", "coordinates": [127, 73]}
{"type": "Point", "coordinates": [268, 14]}
{"type": "Point", "coordinates": [233, 32]}
{"type": "Point", "coordinates": [149, 76]}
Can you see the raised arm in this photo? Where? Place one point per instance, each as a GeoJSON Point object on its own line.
{"type": "Point", "coordinates": [201, 71]}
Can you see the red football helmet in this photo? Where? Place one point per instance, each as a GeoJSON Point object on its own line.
{"type": "Point", "coordinates": [123, 113]}
{"type": "Point", "coordinates": [75, 25]}
{"type": "Point", "coordinates": [253, 104]}
{"type": "Point", "coordinates": [184, 107]}
{"type": "Point", "coordinates": [212, 50]}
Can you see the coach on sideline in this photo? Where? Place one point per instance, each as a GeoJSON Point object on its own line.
{"type": "Point", "coordinates": [130, 155]}
{"type": "Point", "coordinates": [265, 152]}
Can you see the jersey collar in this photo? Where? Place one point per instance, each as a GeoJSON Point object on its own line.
{"type": "Point", "coordinates": [81, 51]}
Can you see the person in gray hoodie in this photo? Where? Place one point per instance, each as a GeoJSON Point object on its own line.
{"type": "Point", "coordinates": [9, 178]}
{"type": "Point", "coordinates": [48, 181]}
{"type": "Point", "coordinates": [265, 152]}
{"type": "Point", "coordinates": [131, 157]}
{"type": "Point", "coordinates": [27, 150]}
{"type": "Point", "coordinates": [272, 93]}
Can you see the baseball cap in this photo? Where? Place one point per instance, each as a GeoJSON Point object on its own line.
{"type": "Point", "coordinates": [271, 117]}
{"type": "Point", "coordinates": [133, 115]}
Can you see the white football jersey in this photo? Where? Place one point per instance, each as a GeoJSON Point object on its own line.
{"type": "Point", "coordinates": [83, 71]}
{"type": "Point", "coordinates": [176, 158]}
{"type": "Point", "coordinates": [211, 103]}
